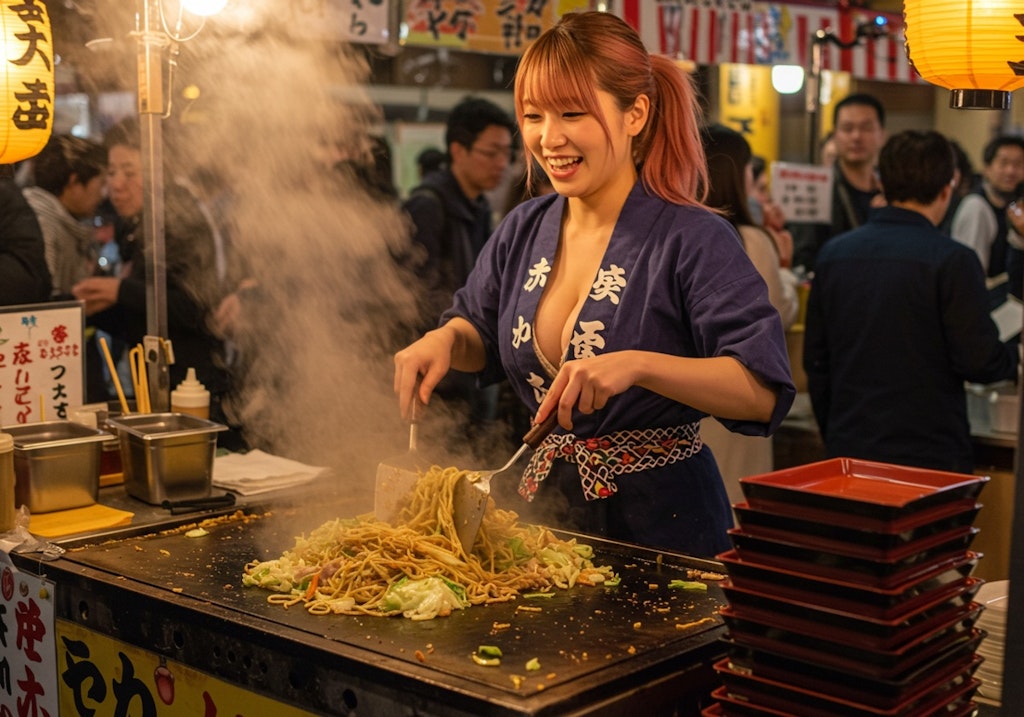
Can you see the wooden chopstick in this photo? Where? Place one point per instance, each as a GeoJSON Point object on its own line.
{"type": "Point", "coordinates": [113, 376]}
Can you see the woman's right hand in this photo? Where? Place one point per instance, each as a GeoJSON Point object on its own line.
{"type": "Point", "coordinates": [423, 364]}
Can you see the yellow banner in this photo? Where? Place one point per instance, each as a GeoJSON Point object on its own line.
{"type": "Point", "coordinates": [749, 104]}
{"type": "Point", "coordinates": [104, 677]}
{"type": "Point", "coordinates": [503, 27]}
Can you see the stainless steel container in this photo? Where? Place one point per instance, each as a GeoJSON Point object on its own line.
{"type": "Point", "coordinates": [167, 456]}
{"type": "Point", "coordinates": [56, 465]}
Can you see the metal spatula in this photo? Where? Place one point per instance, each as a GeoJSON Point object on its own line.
{"type": "Point", "coordinates": [473, 490]}
{"type": "Point", "coordinates": [397, 477]}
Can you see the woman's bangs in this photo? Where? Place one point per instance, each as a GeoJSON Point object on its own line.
{"type": "Point", "coordinates": [552, 79]}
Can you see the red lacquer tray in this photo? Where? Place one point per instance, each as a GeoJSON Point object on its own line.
{"type": "Point", "coordinates": [878, 491]}
{"type": "Point", "coordinates": [851, 594]}
{"type": "Point", "coordinates": [943, 691]}
{"type": "Point", "coordinates": [829, 533]}
{"type": "Point", "coordinates": [844, 629]}
{"type": "Point", "coordinates": [848, 681]}
{"type": "Point", "coordinates": [878, 664]}
{"type": "Point", "coordinates": [875, 573]}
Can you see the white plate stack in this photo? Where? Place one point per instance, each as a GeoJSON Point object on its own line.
{"type": "Point", "coordinates": [994, 596]}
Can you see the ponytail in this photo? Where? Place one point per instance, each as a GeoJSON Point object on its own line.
{"type": "Point", "coordinates": [669, 150]}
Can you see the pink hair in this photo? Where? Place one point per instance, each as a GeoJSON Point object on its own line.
{"type": "Point", "coordinates": [588, 51]}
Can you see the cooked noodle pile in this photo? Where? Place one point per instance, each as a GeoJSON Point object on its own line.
{"type": "Point", "coordinates": [418, 568]}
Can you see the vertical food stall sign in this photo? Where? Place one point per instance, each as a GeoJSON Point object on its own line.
{"type": "Point", "coordinates": [42, 361]}
{"type": "Point", "coordinates": [497, 26]}
{"type": "Point", "coordinates": [28, 645]}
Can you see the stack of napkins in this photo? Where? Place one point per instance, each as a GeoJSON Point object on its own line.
{"type": "Point", "coordinates": [258, 472]}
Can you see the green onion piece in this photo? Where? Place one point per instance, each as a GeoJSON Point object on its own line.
{"type": "Point", "coordinates": [488, 651]}
{"type": "Point", "coordinates": [533, 665]}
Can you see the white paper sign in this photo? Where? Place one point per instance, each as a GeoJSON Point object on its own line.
{"type": "Point", "coordinates": [803, 191]}
{"type": "Point", "coordinates": [42, 361]}
{"type": "Point", "coordinates": [28, 643]}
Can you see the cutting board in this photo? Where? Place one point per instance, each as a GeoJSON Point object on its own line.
{"type": "Point", "coordinates": [78, 520]}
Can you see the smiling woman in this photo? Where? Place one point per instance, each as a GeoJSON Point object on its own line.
{"type": "Point", "coordinates": [620, 303]}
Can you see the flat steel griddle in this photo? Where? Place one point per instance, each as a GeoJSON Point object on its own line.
{"type": "Point", "coordinates": [586, 638]}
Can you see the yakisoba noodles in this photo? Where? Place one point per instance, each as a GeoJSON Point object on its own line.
{"type": "Point", "coordinates": [364, 566]}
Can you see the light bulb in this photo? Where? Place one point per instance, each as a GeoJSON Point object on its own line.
{"type": "Point", "coordinates": [205, 8]}
{"type": "Point", "coordinates": [787, 79]}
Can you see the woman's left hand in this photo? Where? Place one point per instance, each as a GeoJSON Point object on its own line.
{"type": "Point", "coordinates": [585, 385]}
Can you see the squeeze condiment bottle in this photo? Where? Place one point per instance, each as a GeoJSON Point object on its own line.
{"type": "Point", "coordinates": [191, 397]}
{"type": "Point", "coordinates": [6, 482]}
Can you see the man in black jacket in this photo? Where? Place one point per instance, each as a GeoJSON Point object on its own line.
{"type": "Point", "coordinates": [24, 278]}
{"type": "Point", "coordinates": [897, 321]}
{"type": "Point", "coordinates": [452, 220]}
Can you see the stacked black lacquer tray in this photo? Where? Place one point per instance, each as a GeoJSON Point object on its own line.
{"type": "Point", "coordinates": [850, 593]}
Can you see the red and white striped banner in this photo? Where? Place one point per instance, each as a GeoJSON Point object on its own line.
{"type": "Point", "coordinates": [712, 32]}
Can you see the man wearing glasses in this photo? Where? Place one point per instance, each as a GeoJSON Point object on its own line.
{"type": "Point", "coordinates": [451, 220]}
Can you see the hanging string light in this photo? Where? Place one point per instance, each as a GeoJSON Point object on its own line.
{"type": "Point", "coordinates": [973, 48]}
{"type": "Point", "coordinates": [26, 95]}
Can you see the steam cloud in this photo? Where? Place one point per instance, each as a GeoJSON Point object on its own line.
{"type": "Point", "coordinates": [316, 354]}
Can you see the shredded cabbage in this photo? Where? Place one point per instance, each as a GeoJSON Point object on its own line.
{"type": "Point", "coordinates": [425, 599]}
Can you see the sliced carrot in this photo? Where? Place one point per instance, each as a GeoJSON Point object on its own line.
{"type": "Point", "coordinates": [312, 587]}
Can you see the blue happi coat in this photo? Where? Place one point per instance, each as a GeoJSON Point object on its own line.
{"type": "Point", "coordinates": [673, 280]}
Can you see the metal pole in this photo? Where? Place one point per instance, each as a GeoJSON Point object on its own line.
{"type": "Point", "coordinates": [1012, 696]}
{"type": "Point", "coordinates": [813, 96]}
{"type": "Point", "coordinates": [152, 41]}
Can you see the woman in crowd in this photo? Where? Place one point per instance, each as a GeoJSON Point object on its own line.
{"type": "Point", "coordinates": [618, 302]}
{"type": "Point", "coordinates": [730, 180]}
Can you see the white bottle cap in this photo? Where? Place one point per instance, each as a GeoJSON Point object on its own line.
{"type": "Point", "coordinates": [190, 393]}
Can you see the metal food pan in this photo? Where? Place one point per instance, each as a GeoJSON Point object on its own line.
{"type": "Point", "coordinates": [167, 456]}
{"type": "Point", "coordinates": [56, 465]}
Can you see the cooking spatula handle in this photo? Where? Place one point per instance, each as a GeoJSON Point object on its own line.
{"type": "Point", "coordinates": [536, 435]}
{"type": "Point", "coordinates": [414, 419]}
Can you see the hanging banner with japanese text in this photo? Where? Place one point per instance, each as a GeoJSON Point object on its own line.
{"type": "Point", "coordinates": [28, 655]}
{"type": "Point", "coordinates": [711, 32]}
{"type": "Point", "coordinates": [42, 361]}
{"type": "Point", "coordinates": [363, 21]}
{"type": "Point", "coordinates": [503, 27]}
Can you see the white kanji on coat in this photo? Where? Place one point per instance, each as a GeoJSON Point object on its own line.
{"type": "Point", "coordinates": [587, 339]}
{"type": "Point", "coordinates": [537, 383]}
{"type": "Point", "coordinates": [521, 333]}
{"type": "Point", "coordinates": [609, 283]}
{"type": "Point", "coordinates": [538, 275]}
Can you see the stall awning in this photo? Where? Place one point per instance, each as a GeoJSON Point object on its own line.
{"type": "Point", "coordinates": [712, 32]}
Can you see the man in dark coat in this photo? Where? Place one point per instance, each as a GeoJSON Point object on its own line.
{"type": "Point", "coordinates": [898, 320]}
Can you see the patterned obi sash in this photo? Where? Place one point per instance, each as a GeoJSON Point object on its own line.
{"type": "Point", "coordinates": [603, 458]}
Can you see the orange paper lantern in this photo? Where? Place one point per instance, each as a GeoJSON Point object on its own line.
{"type": "Point", "coordinates": [973, 48]}
{"type": "Point", "coordinates": [26, 82]}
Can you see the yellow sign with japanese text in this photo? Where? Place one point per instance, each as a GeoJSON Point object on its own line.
{"type": "Point", "coordinates": [502, 27]}
{"type": "Point", "coordinates": [750, 105]}
{"type": "Point", "coordinates": [105, 677]}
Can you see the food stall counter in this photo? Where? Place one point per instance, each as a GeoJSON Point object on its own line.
{"type": "Point", "coordinates": [160, 592]}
